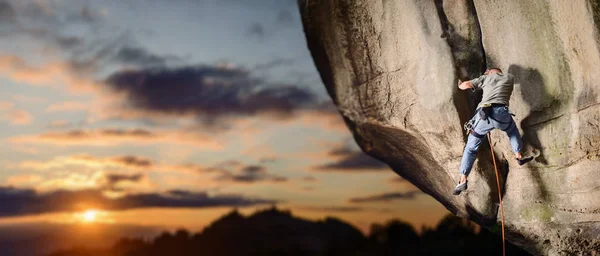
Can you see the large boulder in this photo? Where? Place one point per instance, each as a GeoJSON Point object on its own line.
{"type": "Point", "coordinates": [391, 67]}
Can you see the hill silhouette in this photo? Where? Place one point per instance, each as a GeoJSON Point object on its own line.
{"type": "Point", "coordinates": [277, 232]}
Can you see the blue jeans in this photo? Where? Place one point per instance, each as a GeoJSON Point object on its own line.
{"type": "Point", "coordinates": [503, 121]}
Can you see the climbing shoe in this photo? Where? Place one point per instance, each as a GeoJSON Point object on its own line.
{"type": "Point", "coordinates": [460, 188]}
{"type": "Point", "coordinates": [524, 160]}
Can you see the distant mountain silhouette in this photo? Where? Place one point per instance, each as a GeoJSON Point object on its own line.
{"type": "Point", "coordinates": [276, 232]}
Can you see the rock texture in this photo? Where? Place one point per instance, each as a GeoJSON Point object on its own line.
{"type": "Point", "coordinates": [391, 67]}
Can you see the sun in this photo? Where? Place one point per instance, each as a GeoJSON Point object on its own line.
{"type": "Point", "coordinates": [89, 216]}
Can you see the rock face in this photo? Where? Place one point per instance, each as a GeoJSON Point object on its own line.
{"type": "Point", "coordinates": [391, 67]}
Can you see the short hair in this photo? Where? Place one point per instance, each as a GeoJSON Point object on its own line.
{"type": "Point", "coordinates": [490, 69]}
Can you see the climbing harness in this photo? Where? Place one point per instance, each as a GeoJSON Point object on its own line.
{"type": "Point", "coordinates": [499, 193]}
{"type": "Point", "coordinates": [485, 113]}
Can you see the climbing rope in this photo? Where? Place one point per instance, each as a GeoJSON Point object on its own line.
{"type": "Point", "coordinates": [499, 192]}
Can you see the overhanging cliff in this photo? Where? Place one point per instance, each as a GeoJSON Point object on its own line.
{"type": "Point", "coordinates": [391, 67]}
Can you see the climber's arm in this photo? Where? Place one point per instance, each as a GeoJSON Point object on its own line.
{"type": "Point", "coordinates": [474, 84]}
{"type": "Point", "coordinates": [464, 85]}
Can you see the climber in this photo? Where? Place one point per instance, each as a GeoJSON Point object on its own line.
{"type": "Point", "coordinates": [491, 113]}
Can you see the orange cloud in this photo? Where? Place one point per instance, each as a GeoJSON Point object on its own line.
{"type": "Point", "coordinates": [126, 162]}
{"type": "Point", "coordinates": [23, 180]}
{"type": "Point", "coordinates": [115, 137]}
{"type": "Point", "coordinates": [14, 116]}
{"type": "Point", "coordinates": [89, 161]}
{"type": "Point", "coordinates": [18, 117]}
{"type": "Point", "coordinates": [49, 74]}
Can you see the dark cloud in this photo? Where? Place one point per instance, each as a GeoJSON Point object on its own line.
{"type": "Point", "coordinates": [141, 57]}
{"type": "Point", "coordinates": [265, 160]}
{"type": "Point", "coordinates": [68, 42]}
{"type": "Point", "coordinates": [82, 134]}
{"type": "Point", "coordinates": [284, 17]}
{"type": "Point", "coordinates": [59, 15]}
{"type": "Point", "coordinates": [127, 160]}
{"type": "Point", "coordinates": [134, 161]}
{"type": "Point", "coordinates": [93, 45]}
{"type": "Point", "coordinates": [210, 92]}
{"type": "Point", "coordinates": [224, 166]}
{"type": "Point", "coordinates": [250, 174]}
{"type": "Point", "coordinates": [256, 30]}
{"type": "Point", "coordinates": [16, 202]}
{"type": "Point", "coordinates": [112, 181]}
{"type": "Point", "coordinates": [254, 169]}
{"type": "Point", "coordinates": [411, 195]}
{"type": "Point", "coordinates": [352, 160]}
{"type": "Point", "coordinates": [88, 15]}
{"type": "Point", "coordinates": [116, 178]}
{"type": "Point", "coordinates": [333, 208]}
{"type": "Point", "coordinates": [7, 13]}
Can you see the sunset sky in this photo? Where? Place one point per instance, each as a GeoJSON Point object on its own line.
{"type": "Point", "coordinates": [171, 113]}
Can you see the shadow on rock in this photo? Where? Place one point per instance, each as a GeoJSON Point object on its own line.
{"type": "Point", "coordinates": [542, 105]}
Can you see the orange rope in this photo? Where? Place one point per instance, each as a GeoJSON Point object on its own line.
{"type": "Point", "coordinates": [499, 193]}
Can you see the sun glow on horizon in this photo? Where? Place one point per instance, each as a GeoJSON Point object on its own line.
{"type": "Point", "coordinates": [89, 216]}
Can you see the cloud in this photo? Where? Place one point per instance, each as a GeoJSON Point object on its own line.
{"type": "Point", "coordinates": [268, 159]}
{"type": "Point", "coordinates": [141, 57]}
{"type": "Point", "coordinates": [50, 74]}
{"type": "Point", "coordinates": [209, 92]}
{"type": "Point", "coordinates": [18, 117]}
{"type": "Point", "coordinates": [89, 161]}
{"type": "Point", "coordinates": [256, 30]}
{"type": "Point", "coordinates": [342, 209]}
{"type": "Point", "coordinates": [386, 197]}
{"type": "Point", "coordinates": [46, 21]}
{"type": "Point", "coordinates": [250, 174]}
{"type": "Point", "coordinates": [7, 13]}
{"type": "Point", "coordinates": [352, 160]}
{"type": "Point", "coordinates": [96, 46]}
{"type": "Point", "coordinates": [336, 209]}
{"type": "Point", "coordinates": [124, 163]}
{"type": "Point", "coordinates": [17, 202]}
{"type": "Point", "coordinates": [115, 137]}
{"type": "Point", "coordinates": [23, 179]}
{"type": "Point", "coordinates": [284, 17]}
{"type": "Point", "coordinates": [113, 181]}
{"type": "Point", "coordinates": [14, 116]}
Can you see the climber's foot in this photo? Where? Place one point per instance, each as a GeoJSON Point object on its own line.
{"type": "Point", "coordinates": [524, 160]}
{"type": "Point", "coordinates": [460, 188]}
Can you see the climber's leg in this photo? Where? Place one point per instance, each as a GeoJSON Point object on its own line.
{"type": "Point", "coordinates": [480, 129]}
{"type": "Point", "coordinates": [469, 154]}
{"type": "Point", "coordinates": [513, 134]}
{"type": "Point", "coordinates": [516, 142]}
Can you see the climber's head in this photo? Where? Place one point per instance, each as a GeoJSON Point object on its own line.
{"type": "Point", "coordinates": [490, 71]}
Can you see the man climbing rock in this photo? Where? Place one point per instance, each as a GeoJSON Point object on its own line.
{"type": "Point", "coordinates": [491, 113]}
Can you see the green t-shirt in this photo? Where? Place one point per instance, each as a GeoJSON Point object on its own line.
{"type": "Point", "coordinates": [497, 88]}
